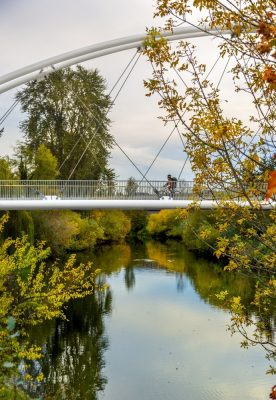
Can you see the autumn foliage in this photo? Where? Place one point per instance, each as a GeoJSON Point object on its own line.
{"type": "Point", "coordinates": [231, 152]}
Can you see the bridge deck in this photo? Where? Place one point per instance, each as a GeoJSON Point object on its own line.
{"type": "Point", "coordinates": [131, 194]}
{"type": "Point", "coordinates": [91, 190]}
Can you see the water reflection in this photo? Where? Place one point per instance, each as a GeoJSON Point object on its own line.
{"type": "Point", "coordinates": [155, 331]}
{"type": "Point", "coordinates": [129, 277]}
{"type": "Point", "coordinates": [74, 350]}
{"type": "Point", "coordinates": [207, 277]}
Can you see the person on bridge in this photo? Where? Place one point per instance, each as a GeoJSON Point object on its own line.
{"type": "Point", "coordinates": [171, 184]}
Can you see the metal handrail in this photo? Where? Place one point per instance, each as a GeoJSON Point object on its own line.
{"type": "Point", "coordinates": [114, 190]}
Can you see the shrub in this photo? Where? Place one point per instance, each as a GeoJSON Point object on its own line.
{"type": "Point", "coordinates": [115, 224]}
{"type": "Point", "coordinates": [57, 228]}
{"type": "Point", "coordinates": [164, 223]}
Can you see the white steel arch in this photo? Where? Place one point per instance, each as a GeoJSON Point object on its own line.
{"type": "Point", "coordinates": [42, 68]}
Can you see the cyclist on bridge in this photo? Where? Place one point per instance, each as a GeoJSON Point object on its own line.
{"type": "Point", "coordinates": [171, 184]}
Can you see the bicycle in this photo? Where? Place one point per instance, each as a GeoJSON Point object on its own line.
{"type": "Point", "coordinates": [166, 192]}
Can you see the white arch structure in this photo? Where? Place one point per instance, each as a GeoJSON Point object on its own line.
{"type": "Point", "coordinates": [42, 68]}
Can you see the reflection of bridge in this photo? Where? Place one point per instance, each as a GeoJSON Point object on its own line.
{"type": "Point", "coordinates": [131, 194]}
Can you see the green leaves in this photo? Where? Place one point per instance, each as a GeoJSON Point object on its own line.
{"type": "Point", "coordinates": [31, 292]}
{"type": "Point", "coordinates": [66, 110]}
{"type": "Point", "coordinates": [45, 164]}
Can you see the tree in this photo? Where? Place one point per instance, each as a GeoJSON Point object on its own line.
{"type": "Point", "coordinates": [6, 169]}
{"type": "Point", "coordinates": [225, 152]}
{"type": "Point", "coordinates": [31, 291]}
{"type": "Point", "coordinates": [22, 170]}
{"type": "Point", "coordinates": [45, 164]}
{"type": "Point", "coordinates": [131, 187]}
{"type": "Point", "coordinates": [67, 112]}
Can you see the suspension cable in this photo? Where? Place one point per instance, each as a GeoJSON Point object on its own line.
{"type": "Point", "coordinates": [176, 126]}
{"type": "Point", "coordinates": [123, 84]}
{"type": "Point", "coordinates": [184, 164]}
{"type": "Point", "coordinates": [69, 154]}
{"type": "Point", "coordinates": [80, 137]}
{"type": "Point", "coordinates": [97, 120]}
{"type": "Point", "coordinates": [115, 142]}
{"type": "Point", "coordinates": [120, 77]}
{"type": "Point", "coordinates": [169, 136]}
{"type": "Point", "coordinates": [215, 63]}
{"type": "Point", "coordinates": [183, 144]}
{"type": "Point", "coordinates": [223, 72]}
{"type": "Point", "coordinates": [80, 158]}
{"type": "Point", "coordinates": [8, 112]}
{"type": "Point", "coordinates": [157, 155]}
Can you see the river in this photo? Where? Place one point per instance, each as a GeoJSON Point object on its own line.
{"type": "Point", "coordinates": [159, 332]}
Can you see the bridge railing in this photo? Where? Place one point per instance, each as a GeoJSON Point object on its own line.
{"type": "Point", "coordinates": [89, 189]}
{"type": "Point", "coordinates": [112, 190]}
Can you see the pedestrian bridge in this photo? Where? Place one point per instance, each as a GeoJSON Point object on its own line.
{"type": "Point", "coordinates": [103, 194]}
{"type": "Point", "coordinates": [131, 194]}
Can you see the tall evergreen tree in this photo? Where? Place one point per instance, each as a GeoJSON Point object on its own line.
{"type": "Point", "coordinates": [67, 112]}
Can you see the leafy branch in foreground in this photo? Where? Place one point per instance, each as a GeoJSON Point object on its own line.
{"type": "Point", "coordinates": [227, 152]}
{"type": "Point", "coordinates": [32, 291]}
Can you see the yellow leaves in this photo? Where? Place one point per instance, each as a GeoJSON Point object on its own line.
{"type": "Point", "coordinates": [271, 231]}
{"type": "Point", "coordinates": [222, 295]}
{"type": "Point", "coordinates": [225, 153]}
{"type": "Point", "coordinates": [33, 291]}
{"type": "Point", "coordinates": [222, 245]}
{"type": "Point", "coordinates": [222, 227]}
{"type": "Point", "coordinates": [251, 232]}
{"type": "Point", "coordinates": [156, 46]}
{"type": "Point", "coordinates": [205, 233]}
{"type": "Point", "coordinates": [236, 305]}
{"type": "Point", "coordinates": [39, 377]}
{"type": "Point", "coordinates": [164, 7]}
{"type": "Point", "coordinates": [152, 85]}
{"type": "Point", "coordinates": [232, 265]}
{"type": "Point", "coordinates": [3, 220]}
{"type": "Point", "coordinates": [237, 30]}
{"type": "Point", "coordinates": [205, 4]}
{"type": "Point", "coordinates": [30, 353]}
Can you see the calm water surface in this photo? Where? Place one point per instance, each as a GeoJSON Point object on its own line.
{"type": "Point", "coordinates": [157, 333]}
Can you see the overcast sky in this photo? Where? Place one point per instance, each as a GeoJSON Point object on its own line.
{"type": "Point", "coordinates": [32, 30]}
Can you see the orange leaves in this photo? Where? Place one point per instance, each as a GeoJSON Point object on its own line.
{"type": "Point", "coordinates": [263, 47]}
{"type": "Point", "coordinates": [267, 33]}
{"type": "Point", "coordinates": [266, 30]}
{"type": "Point", "coordinates": [269, 76]}
{"type": "Point", "coordinates": [267, 45]}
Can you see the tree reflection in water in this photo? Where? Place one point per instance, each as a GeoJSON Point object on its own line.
{"type": "Point", "coordinates": [129, 277]}
{"type": "Point", "coordinates": [74, 351]}
{"type": "Point", "coordinates": [208, 279]}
